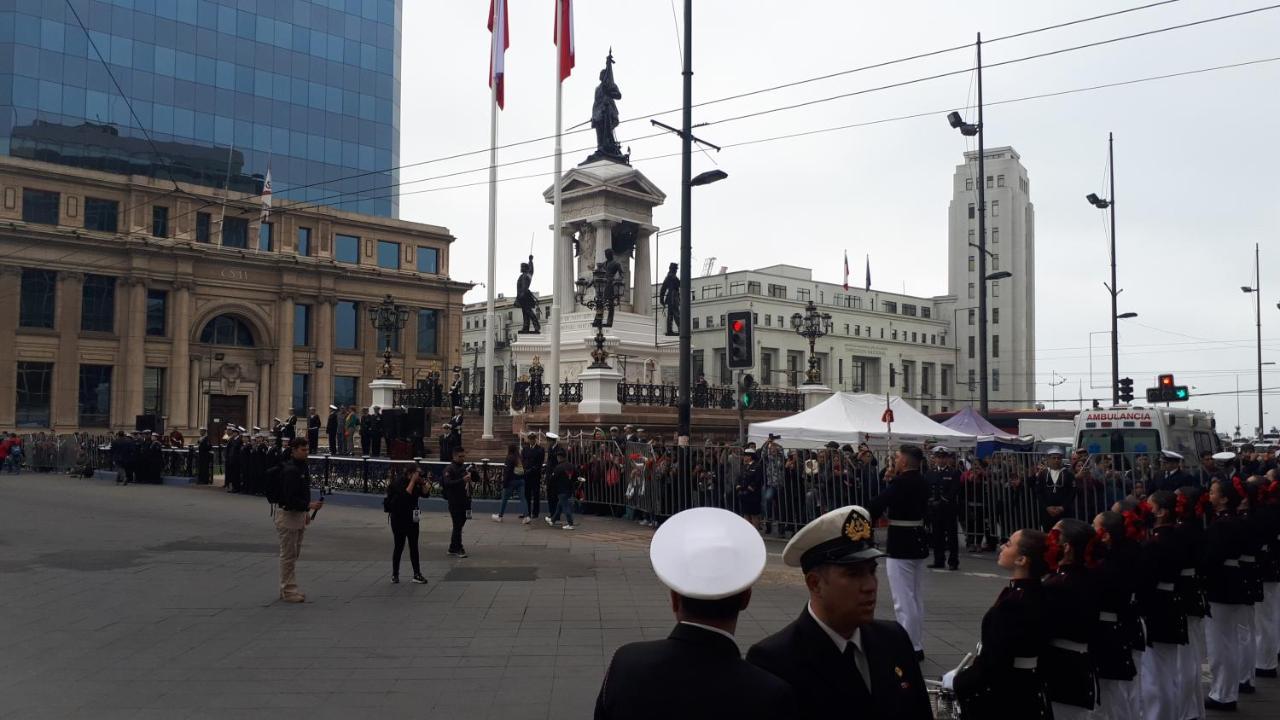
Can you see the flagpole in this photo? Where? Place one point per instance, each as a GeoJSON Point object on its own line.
{"type": "Point", "coordinates": [557, 241]}
{"type": "Point", "coordinates": [487, 409]}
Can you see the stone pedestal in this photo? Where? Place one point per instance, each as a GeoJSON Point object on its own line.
{"type": "Point", "coordinates": [631, 336]}
{"type": "Point", "coordinates": [814, 395]}
{"type": "Point", "coordinates": [384, 391]}
{"type": "Point", "coordinates": [600, 391]}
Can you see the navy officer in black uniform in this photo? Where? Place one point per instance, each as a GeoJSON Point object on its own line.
{"type": "Point", "coordinates": [905, 501]}
{"type": "Point", "coordinates": [944, 504]}
{"type": "Point", "coordinates": [709, 558]}
{"type": "Point", "coordinates": [840, 660]}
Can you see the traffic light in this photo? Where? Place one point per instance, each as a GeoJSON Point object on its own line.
{"type": "Point", "coordinates": [739, 341]}
{"type": "Point", "coordinates": [746, 391]}
{"type": "Point", "coordinates": [1124, 388]}
{"type": "Point", "coordinates": [1166, 391]}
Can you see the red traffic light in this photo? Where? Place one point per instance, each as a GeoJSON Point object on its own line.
{"type": "Point", "coordinates": [1165, 381]}
{"type": "Point", "coordinates": [738, 326]}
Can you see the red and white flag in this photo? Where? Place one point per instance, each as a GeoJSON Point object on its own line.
{"type": "Point", "coordinates": [266, 196]}
{"type": "Point", "coordinates": [498, 48]}
{"type": "Point", "coordinates": [563, 36]}
{"type": "Point", "coordinates": [846, 270]}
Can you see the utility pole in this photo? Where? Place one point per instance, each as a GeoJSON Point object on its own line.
{"type": "Point", "coordinates": [983, 401]}
{"type": "Point", "coordinates": [684, 406]}
{"type": "Point", "coordinates": [1257, 292]}
{"type": "Point", "coordinates": [1115, 320]}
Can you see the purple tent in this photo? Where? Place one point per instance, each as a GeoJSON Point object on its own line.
{"type": "Point", "coordinates": [970, 422]}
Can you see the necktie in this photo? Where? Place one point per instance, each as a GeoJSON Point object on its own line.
{"type": "Point", "coordinates": [854, 654]}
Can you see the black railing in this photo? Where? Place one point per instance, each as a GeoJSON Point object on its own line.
{"type": "Point", "coordinates": [647, 394]}
{"type": "Point", "coordinates": [709, 396]}
{"type": "Point", "coordinates": [570, 392]}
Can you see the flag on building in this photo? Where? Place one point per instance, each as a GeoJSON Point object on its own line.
{"type": "Point", "coordinates": [564, 36]}
{"type": "Point", "coordinates": [846, 270]}
{"type": "Point", "coordinates": [868, 272]}
{"type": "Point", "coordinates": [266, 196]}
{"type": "Point", "coordinates": [501, 41]}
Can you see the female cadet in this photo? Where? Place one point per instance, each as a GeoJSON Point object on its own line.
{"type": "Point", "coordinates": [1071, 599]}
{"type": "Point", "coordinates": [1267, 511]}
{"type": "Point", "coordinates": [1003, 682]}
{"type": "Point", "coordinates": [1252, 538]}
{"type": "Point", "coordinates": [1228, 598]}
{"type": "Point", "coordinates": [1119, 636]}
{"type": "Point", "coordinates": [1162, 559]}
{"type": "Point", "coordinates": [1190, 509]}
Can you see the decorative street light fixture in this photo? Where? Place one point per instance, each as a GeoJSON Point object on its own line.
{"type": "Point", "coordinates": [812, 325]}
{"type": "Point", "coordinates": [387, 318]}
{"type": "Point", "coordinates": [604, 300]}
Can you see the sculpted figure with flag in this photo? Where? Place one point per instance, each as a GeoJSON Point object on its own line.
{"type": "Point", "coordinates": [604, 116]}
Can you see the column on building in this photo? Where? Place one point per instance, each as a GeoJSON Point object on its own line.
{"type": "Point", "coordinates": [133, 357]}
{"type": "Point", "coordinates": [284, 356]}
{"type": "Point", "coordinates": [179, 394]}
{"type": "Point", "coordinates": [567, 276]}
{"type": "Point", "coordinates": [642, 279]}
{"type": "Point", "coordinates": [263, 399]}
{"type": "Point", "coordinates": [10, 287]}
{"type": "Point", "coordinates": [195, 411]}
{"type": "Point", "coordinates": [323, 338]}
{"type": "Point", "coordinates": [66, 369]}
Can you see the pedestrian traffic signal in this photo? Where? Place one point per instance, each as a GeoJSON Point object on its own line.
{"type": "Point", "coordinates": [746, 391]}
{"type": "Point", "coordinates": [1124, 389]}
{"type": "Point", "coordinates": [738, 340]}
{"type": "Point", "coordinates": [1166, 391]}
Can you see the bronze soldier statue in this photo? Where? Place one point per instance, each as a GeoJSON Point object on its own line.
{"type": "Point", "coordinates": [604, 117]}
{"type": "Point", "coordinates": [525, 300]}
{"type": "Point", "coordinates": [669, 296]}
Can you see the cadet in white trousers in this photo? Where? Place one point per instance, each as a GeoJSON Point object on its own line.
{"type": "Point", "coordinates": [905, 501]}
{"type": "Point", "coordinates": [1228, 596]}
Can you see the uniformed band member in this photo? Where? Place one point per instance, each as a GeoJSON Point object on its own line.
{"type": "Point", "coordinates": [905, 501]}
{"type": "Point", "coordinates": [204, 458]}
{"type": "Point", "coordinates": [1190, 505]}
{"type": "Point", "coordinates": [232, 461]}
{"type": "Point", "coordinates": [1229, 600]}
{"type": "Point", "coordinates": [1071, 604]}
{"type": "Point", "coordinates": [1163, 612]}
{"type": "Point", "coordinates": [313, 430]}
{"type": "Point", "coordinates": [1004, 681]}
{"type": "Point", "coordinates": [709, 558]}
{"type": "Point", "coordinates": [446, 443]}
{"type": "Point", "coordinates": [838, 658]}
{"type": "Point", "coordinates": [1118, 642]}
{"type": "Point", "coordinates": [944, 505]}
{"type": "Point", "coordinates": [331, 429]}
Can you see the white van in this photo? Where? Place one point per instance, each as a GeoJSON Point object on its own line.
{"type": "Point", "coordinates": [1144, 430]}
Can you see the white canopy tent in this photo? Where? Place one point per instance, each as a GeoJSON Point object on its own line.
{"type": "Point", "coordinates": [853, 418]}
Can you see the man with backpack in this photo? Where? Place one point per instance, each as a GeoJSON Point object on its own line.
{"type": "Point", "coordinates": [289, 487]}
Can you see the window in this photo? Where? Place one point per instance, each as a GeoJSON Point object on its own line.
{"type": "Point", "coordinates": [890, 306]}
{"type": "Point", "coordinates": [346, 325]}
{"type": "Point", "coordinates": [968, 183]}
{"type": "Point", "coordinates": [971, 234]}
{"type": "Point", "coordinates": [802, 295]}
{"type": "Point", "coordinates": [995, 261]}
{"type": "Point", "coordinates": [266, 237]}
{"type": "Point", "coordinates": [153, 391]}
{"type": "Point", "coordinates": [972, 340]}
{"type": "Point", "coordinates": [768, 322]}
{"type": "Point", "coordinates": [428, 332]}
{"type": "Point", "coordinates": [36, 303]}
{"type": "Point", "coordinates": [970, 291]}
{"type": "Point", "coordinates": [909, 310]}
{"type": "Point", "coordinates": [388, 255]}
{"type": "Point", "coordinates": [990, 182]}
{"type": "Point", "coordinates": [235, 232]}
{"type": "Point", "coordinates": [159, 221]}
{"type": "Point", "coordinates": [344, 390]}
{"type": "Point", "coordinates": [995, 316]}
{"type": "Point", "coordinates": [973, 379]}
{"type": "Point", "coordinates": [157, 312]}
{"type": "Point", "coordinates": [995, 208]}
{"type": "Point", "coordinates": [302, 325]}
{"type": "Point", "coordinates": [995, 288]}
{"type": "Point", "coordinates": [778, 291]}
{"type": "Point", "coordinates": [694, 326]}
{"type": "Point", "coordinates": [858, 375]}
{"type": "Point", "coordinates": [895, 334]}
{"type": "Point", "coordinates": [995, 379]}
{"type": "Point", "coordinates": [913, 336]}
{"type": "Point", "coordinates": [428, 260]}
{"type": "Point", "coordinates": [970, 211]}
{"type": "Point", "coordinates": [972, 263]}
{"type": "Point", "coordinates": [753, 287]}
{"type": "Point", "coordinates": [781, 321]}
{"type": "Point", "coordinates": [40, 206]}
{"type": "Point", "coordinates": [925, 373]}
{"type": "Point", "coordinates": [722, 321]}
{"type": "Point", "coordinates": [711, 322]}
{"type": "Point", "coordinates": [95, 395]}
{"type": "Point", "coordinates": [227, 330]}
{"type": "Point", "coordinates": [304, 241]}
{"type": "Point", "coordinates": [34, 383]}
{"type": "Point", "coordinates": [346, 249]}
{"type": "Point", "coordinates": [710, 291]}
{"type": "Point", "coordinates": [995, 236]}
{"type": "Point", "coordinates": [737, 288]}
{"type": "Point", "coordinates": [995, 346]}
{"type": "Point", "coordinates": [944, 379]}
{"type": "Point", "coordinates": [999, 181]}
{"type": "Point", "coordinates": [926, 312]}
{"type": "Point", "coordinates": [98, 313]}
{"type": "Point", "coordinates": [101, 214]}
{"type": "Point", "coordinates": [202, 227]}
{"type": "Point", "coordinates": [857, 331]}
{"type": "Point", "coordinates": [846, 328]}
{"type": "Point", "coordinates": [301, 394]}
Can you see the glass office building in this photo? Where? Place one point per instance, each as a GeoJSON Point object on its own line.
{"type": "Point", "coordinates": [225, 88]}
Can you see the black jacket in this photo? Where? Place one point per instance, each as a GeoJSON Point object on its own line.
{"type": "Point", "coordinates": [1160, 568]}
{"type": "Point", "coordinates": [532, 457]}
{"type": "Point", "coordinates": [944, 489]}
{"type": "Point", "coordinates": [1120, 632]}
{"type": "Point", "coordinates": [400, 502]}
{"type": "Point", "coordinates": [1062, 494]}
{"type": "Point", "coordinates": [826, 686]}
{"type": "Point", "coordinates": [331, 424]}
{"type": "Point", "coordinates": [694, 673]}
{"type": "Point", "coordinates": [1071, 603]}
{"type": "Point", "coordinates": [1222, 542]}
{"type": "Point", "coordinates": [454, 487]}
{"type": "Point", "coordinates": [1170, 482]}
{"type": "Point", "coordinates": [905, 499]}
{"type": "Point", "coordinates": [295, 485]}
{"type": "Point", "coordinates": [992, 687]}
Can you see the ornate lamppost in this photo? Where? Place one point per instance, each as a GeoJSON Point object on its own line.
{"type": "Point", "coordinates": [387, 318]}
{"type": "Point", "coordinates": [603, 301]}
{"type": "Point", "coordinates": [812, 325]}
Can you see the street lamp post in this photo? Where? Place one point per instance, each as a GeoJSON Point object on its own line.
{"type": "Point", "coordinates": [387, 317]}
{"type": "Point", "coordinates": [812, 325]}
{"type": "Point", "coordinates": [1103, 204]}
{"type": "Point", "coordinates": [1256, 289]}
{"type": "Point", "coordinates": [604, 300]}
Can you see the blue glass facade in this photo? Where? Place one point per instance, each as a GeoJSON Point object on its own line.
{"type": "Point", "coordinates": [224, 87]}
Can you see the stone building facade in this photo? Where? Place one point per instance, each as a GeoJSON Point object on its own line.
{"type": "Point", "coordinates": [126, 296]}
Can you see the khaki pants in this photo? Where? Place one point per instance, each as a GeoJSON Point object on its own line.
{"type": "Point", "coordinates": [289, 526]}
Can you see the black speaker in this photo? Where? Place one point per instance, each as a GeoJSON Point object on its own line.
{"type": "Point", "coordinates": [147, 423]}
{"type": "Point", "coordinates": [415, 421]}
{"type": "Point", "coordinates": [392, 423]}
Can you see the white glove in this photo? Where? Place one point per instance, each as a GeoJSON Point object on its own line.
{"type": "Point", "coordinates": [949, 679]}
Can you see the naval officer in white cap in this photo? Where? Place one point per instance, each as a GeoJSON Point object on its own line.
{"type": "Point", "coordinates": [838, 658]}
{"type": "Point", "coordinates": [709, 558]}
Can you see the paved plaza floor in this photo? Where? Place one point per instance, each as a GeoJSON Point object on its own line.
{"type": "Point", "coordinates": [160, 602]}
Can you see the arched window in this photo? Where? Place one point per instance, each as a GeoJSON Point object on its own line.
{"type": "Point", "coordinates": [227, 330]}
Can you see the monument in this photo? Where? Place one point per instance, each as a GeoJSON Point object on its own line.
{"type": "Point", "coordinates": [607, 216]}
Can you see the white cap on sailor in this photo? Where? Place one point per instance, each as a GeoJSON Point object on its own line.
{"type": "Point", "coordinates": [1170, 456]}
{"type": "Point", "coordinates": [707, 554]}
{"type": "Point", "coordinates": [1224, 456]}
{"type": "Point", "coordinates": [552, 436]}
{"type": "Point", "coordinates": [840, 537]}
{"type": "Point", "coordinates": [333, 407]}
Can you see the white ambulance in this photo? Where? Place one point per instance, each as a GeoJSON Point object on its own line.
{"type": "Point", "coordinates": [1146, 430]}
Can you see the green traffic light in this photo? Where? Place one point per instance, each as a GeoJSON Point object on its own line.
{"type": "Point", "coordinates": [1181, 393]}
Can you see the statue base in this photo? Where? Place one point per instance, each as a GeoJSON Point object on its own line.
{"type": "Point", "coordinates": [600, 391]}
{"type": "Point", "coordinates": [384, 391]}
{"type": "Point", "coordinates": [611, 155]}
{"type": "Point", "coordinates": [631, 343]}
{"type": "Point", "coordinates": [814, 395]}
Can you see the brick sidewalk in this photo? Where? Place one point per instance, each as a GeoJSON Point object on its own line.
{"type": "Point", "coordinates": [159, 602]}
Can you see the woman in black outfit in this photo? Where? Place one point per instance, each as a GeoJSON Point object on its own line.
{"type": "Point", "coordinates": [1229, 599]}
{"type": "Point", "coordinates": [402, 510]}
{"type": "Point", "coordinates": [1071, 601]}
{"type": "Point", "coordinates": [1119, 635]}
{"type": "Point", "coordinates": [1003, 683]}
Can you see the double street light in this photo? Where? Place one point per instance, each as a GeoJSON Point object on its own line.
{"type": "Point", "coordinates": [1105, 204]}
{"type": "Point", "coordinates": [811, 325]}
{"type": "Point", "coordinates": [1256, 289]}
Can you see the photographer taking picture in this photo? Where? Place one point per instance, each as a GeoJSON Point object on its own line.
{"type": "Point", "coordinates": [454, 489]}
{"type": "Point", "coordinates": [401, 506]}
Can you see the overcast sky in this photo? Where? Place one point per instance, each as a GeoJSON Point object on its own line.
{"type": "Point", "coordinates": [1196, 157]}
